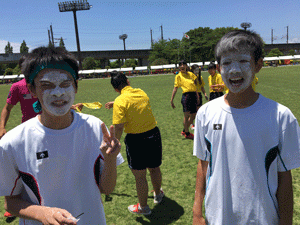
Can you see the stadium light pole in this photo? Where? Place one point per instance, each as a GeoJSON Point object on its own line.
{"type": "Point", "coordinates": [75, 6]}
{"type": "Point", "coordinates": [246, 25]}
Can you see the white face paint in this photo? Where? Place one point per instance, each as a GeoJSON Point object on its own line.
{"type": "Point", "coordinates": [196, 71]}
{"type": "Point", "coordinates": [237, 70]}
{"type": "Point", "coordinates": [58, 92]}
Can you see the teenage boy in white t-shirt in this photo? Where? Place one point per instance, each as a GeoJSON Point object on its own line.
{"type": "Point", "coordinates": [244, 171]}
{"type": "Point", "coordinates": [51, 167]}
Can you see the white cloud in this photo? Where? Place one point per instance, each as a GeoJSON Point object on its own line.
{"type": "Point", "coordinates": [15, 45]}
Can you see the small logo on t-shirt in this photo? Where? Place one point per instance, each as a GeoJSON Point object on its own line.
{"type": "Point", "coordinates": [9, 95]}
{"type": "Point", "coordinates": [42, 155]}
{"type": "Point", "coordinates": [217, 126]}
{"type": "Point", "coordinates": [27, 96]}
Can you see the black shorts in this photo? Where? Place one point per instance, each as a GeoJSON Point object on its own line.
{"type": "Point", "coordinates": [200, 99]}
{"type": "Point", "coordinates": [144, 150]}
{"type": "Point", "coordinates": [189, 102]}
{"type": "Point", "coordinates": [214, 95]}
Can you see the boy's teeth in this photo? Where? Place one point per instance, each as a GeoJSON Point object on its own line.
{"type": "Point", "coordinates": [236, 79]}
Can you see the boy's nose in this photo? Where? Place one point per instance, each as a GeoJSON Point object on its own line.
{"type": "Point", "coordinates": [58, 92]}
{"type": "Point", "coordinates": [235, 67]}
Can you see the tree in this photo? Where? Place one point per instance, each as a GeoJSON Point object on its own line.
{"type": "Point", "coordinates": [292, 52]}
{"type": "Point", "coordinates": [160, 61]}
{"type": "Point", "coordinates": [130, 63]}
{"type": "Point", "coordinates": [199, 47]}
{"type": "Point", "coordinates": [8, 49]}
{"type": "Point", "coordinates": [62, 43]}
{"type": "Point", "coordinates": [275, 52]}
{"type": "Point", "coordinates": [17, 70]}
{"type": "Point", "coordinates": [23, 47]}
{"type": "Point", "coordinates": [89, 63]}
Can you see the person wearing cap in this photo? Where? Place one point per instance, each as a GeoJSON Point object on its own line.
{"type": "Point", "coordinates": [190, 98]}
{"type": "Point", "coordinates": [49, 173]}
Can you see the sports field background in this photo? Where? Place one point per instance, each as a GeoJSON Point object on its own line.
{"type": "Point", "coordinates": [179, 165]}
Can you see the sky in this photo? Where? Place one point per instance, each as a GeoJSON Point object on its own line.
{"type": "Point", "coordinates": [100, 27]}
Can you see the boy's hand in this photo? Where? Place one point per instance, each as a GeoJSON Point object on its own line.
{"type": "Point", "coordinates": [109, 105]}
{"type": "Point", "coordinates": [172, 104]}
{"type": "Point", "coordinates": [198, 220]}
{"type": "Point", "coordinates": [110, 146]}
{"type": "Point", "coordinates": [54, 216]}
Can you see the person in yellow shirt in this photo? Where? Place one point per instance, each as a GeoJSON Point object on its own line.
{"type": "Point", "coordinates": [199, 84]}
{"type": "Point", "coordinates": [215, 82]}
{"type": "Point", "coordinates": [187, 81]}
{"type": "Point", "coordinates": [132, 113]}
{"type": "Point", "coordinates": [254, 82]}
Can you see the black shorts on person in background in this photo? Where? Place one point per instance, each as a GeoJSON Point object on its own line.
{"type": "Point", "coordinates": [144, 150]}
{"type": "Point", "coordinates": [214, 95]}
{"type": "Point", "coordinates": [189, 102]}
{"type": "Point", "coordinates": [200, 99]}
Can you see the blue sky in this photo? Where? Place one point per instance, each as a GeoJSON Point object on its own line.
{"type": "Point", "coordinates": [100, 27]}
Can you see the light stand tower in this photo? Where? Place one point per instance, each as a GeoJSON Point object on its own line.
{"type": "Point", "coordinates": [246, 25]}
{"type": "Point", "coordinates": [75, 6]}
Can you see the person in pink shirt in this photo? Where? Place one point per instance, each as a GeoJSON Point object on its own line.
{"type": "Point", "coordinates": [18, 93]}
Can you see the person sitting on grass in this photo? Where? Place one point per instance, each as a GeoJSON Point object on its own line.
{"type": "Point", "coordinates": [244, 169]}
{"type": "Point", "coordinates": [54, 167]}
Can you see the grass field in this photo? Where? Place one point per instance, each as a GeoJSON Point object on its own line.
{"type": "Point", "coordinates": [179, 166]}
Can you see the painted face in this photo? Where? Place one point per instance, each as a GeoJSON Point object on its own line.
{"type": "Point", "coordinates": [196, 71]}
{"type": "Point", "coordinates": [237, 70]}
{"type": "Point", "coordinates": [58, 92]}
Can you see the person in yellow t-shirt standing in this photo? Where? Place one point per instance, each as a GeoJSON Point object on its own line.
{"type": "Point", "coordinates": [190, 98]}
{"type": "Point", "coordinates": [215, 82]}
{"type": "Point", "coordinates": [133, 114]}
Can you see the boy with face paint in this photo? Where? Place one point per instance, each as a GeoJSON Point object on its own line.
{"type": "Point", "coordinates": [55, 166]}
{"type": "Point", "coordinates": [244, 169]}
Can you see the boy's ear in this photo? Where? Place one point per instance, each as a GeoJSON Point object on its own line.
{"type": "Point", "coordinates": [31, 89]}
{"type": "Point", "coordinates": [258, 65]}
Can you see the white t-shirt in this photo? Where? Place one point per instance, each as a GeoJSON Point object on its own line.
{"type": "Point", "coordinates": [55, 168]}
{"type": "Point", "coordinates": [246, 148]}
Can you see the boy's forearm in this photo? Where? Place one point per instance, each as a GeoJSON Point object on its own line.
{"type": "Point", "coordinates": [173, 93]}
{"type": "Point", "coordinates": [285, 198]}
{"type": "Point", "coordinates": [200, 188]}
{"type": "Point", "coordinates": [108, 176]}
{"type": "Point", "coordinates": [23, 209]}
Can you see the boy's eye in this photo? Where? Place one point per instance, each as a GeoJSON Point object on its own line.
{"type": "Point", "coordinates": [244, 61]}
{"type": "Point", "coordinates": [226, 63]}
{"type": "Point", "coordinates": [65, 84]}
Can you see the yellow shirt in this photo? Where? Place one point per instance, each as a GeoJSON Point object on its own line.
{"type": "Point", "coordinates": [199, 86]}
{"type": "Point", "coordinates": [133, 109]}
{"type": "Point", "coordinates": [216, 79]}
{"type": "Point", "coordinates": [254, 82]}
{"type": "Point", "coordinates": [186, 82]}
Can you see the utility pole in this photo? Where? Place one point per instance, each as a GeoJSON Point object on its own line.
{"type": "Point", "coordinates": [52, 35]}
{"type": "Point", "coordinates": [151, 38]}
{"type": "Point", "coordinates": [161, 30]}
{"type": "Point", "coordinates": [75, 6]}
{"type": "Point", "coordinates": [49, 37]}
{"type": "Point", "coordinates": [287, 34]}
{"type": "Point", "coordinates": [272, 36]}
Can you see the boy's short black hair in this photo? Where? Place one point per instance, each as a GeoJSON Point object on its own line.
{"type": "Point", "coordinates": [182, 62]}
{"type": "Point", "coordinates": [212, 65]}
{"type": "Point", "coordinates": [240, 40]}
{"type": "Point", "coordinates": [118, 80]}
{"type": "Point", "coordinates": [47, 55]}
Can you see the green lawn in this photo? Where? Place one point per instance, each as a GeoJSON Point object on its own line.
{"type": "Point", "coordinates": [179, 166]}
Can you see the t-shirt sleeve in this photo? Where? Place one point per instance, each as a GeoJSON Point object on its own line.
{"type": "Point", "coordinates": [177, 81]}
{"type": "Point", "coordinates": [209, 81]}
{"type": "Point", "coordinates": [200, 143]}
{"type": "Point", "coordinates": [119, 112]}
{"type": "Point", "coordinates": [13, 95]}
{"type": "Point", "coordinates": [289, 144]}
{"type": "Point", "coordinates": [10, 184]}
